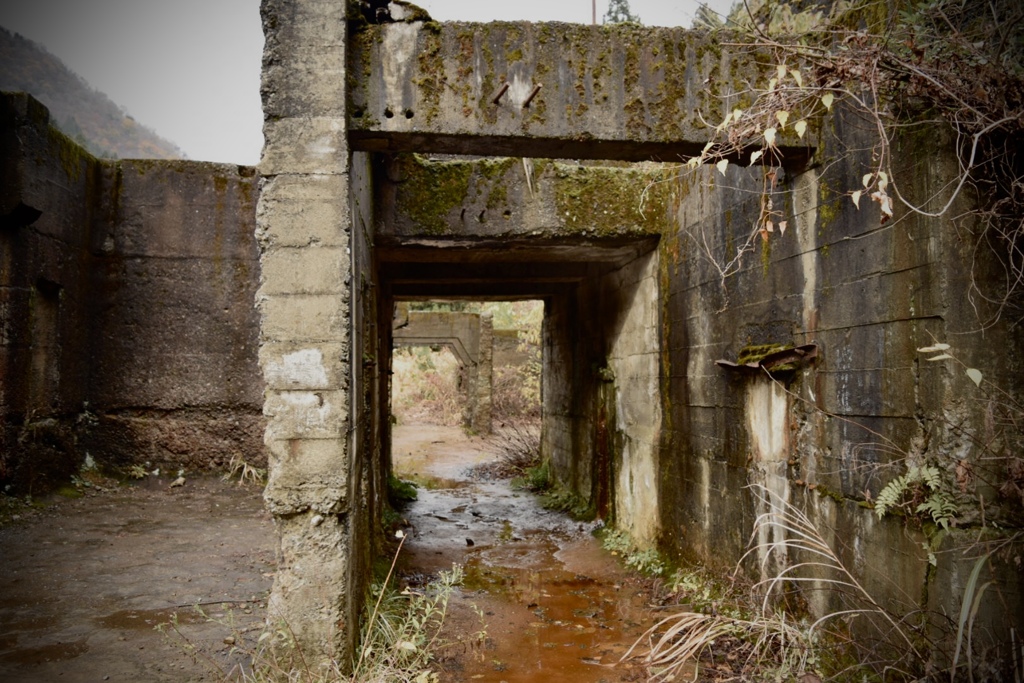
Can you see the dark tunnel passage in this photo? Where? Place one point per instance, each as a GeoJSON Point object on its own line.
{"type": "Point", "coordinates": [599, 347]}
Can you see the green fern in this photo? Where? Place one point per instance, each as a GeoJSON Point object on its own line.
{"type": "Point", "coordinates": [940, 507]}
{"type": "Point", "coordinates": [918, 484]}
{"type": "Point", "coordinates": [891, 495]}
{"type": "Point", "coordinates": [928, 474]}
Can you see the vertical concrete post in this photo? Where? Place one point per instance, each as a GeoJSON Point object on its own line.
{"type": "Point", "coordinates": [484, 376]}
{"type": "Point", "coordinates": [304, 229]}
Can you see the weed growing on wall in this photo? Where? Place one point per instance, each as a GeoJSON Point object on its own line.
{"type": "Point", "coordinates": [896, 69]}
{"type": "Point", "coordinates": [961, 496]}
{"type": "Point", "coordinates": [776, 641]}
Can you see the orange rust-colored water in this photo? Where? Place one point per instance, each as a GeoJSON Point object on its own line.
{"type": "Point", "coordinates": [554, 604]}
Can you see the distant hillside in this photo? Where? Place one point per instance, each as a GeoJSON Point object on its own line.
{"type": "Point", "coordinates": [81, 112]}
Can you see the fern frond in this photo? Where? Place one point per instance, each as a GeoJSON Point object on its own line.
{"type": "Point", "coordinates": [890, 496]}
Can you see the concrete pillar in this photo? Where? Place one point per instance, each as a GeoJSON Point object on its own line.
{"type": "Point", "coordinates": [304, 229]}
{"type": "Point", "coordinates": [484, 376]}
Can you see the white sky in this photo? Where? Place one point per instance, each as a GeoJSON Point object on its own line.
{"type": "Point", "coordinates": [190, 69]}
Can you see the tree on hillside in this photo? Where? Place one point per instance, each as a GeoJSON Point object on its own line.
{"type": "Point", "coordinates": [618, 12]}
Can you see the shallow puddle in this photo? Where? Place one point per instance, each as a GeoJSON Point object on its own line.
{"type": "Point", "coordinates": [555, 605]}
{"type": "Point", "coordinates": [148, 619]}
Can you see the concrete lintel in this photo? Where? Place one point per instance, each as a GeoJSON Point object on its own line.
{"type": "Point", "coordinates": [454, 343]}
{"type": "Point", "coordinates": [545, 90]}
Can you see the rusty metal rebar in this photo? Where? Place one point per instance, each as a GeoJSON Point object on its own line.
{"type": "Point", "coordinates": [497, 98]}
{"type": "Point", "coordinates": [536, 89]}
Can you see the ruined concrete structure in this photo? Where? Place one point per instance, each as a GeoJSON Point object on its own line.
{"type": "Point", "coordinates": [126, 326]}
{"type": "Point", "coordinates": [363, 204]}
{"type": "Point", "coordinates": [470, 336]}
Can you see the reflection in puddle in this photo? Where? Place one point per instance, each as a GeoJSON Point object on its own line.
{"type": "Point", "coordinates": [147, 619]}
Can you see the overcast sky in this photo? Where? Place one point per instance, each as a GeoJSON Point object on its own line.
{"type": "Point", "coordinates": [190, 69]}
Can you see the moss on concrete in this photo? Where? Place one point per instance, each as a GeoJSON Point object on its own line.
{"type": "Point", "coordinates": [609, 201]}
{"type": "Point", "coordinates": [432, 79]}
{"type": "Point", "coordinates": [756, 352]}
{"type": "Point", "coordinates": [73, 158]}
{"type": "Point", "coordinates": [431, 190]}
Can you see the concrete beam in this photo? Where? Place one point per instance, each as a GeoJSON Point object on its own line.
{"type": "Point", "coordinates": [525, 198]}
{"type": "Point", "coordinates": [545, 90]}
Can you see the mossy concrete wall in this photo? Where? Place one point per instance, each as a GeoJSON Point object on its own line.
{"type": "Point", "coordinates": [426, 197]}
{"type": "Point", "coordinates": [128, 331]}
{"type": "Point", "coordinates": [126, 328]}
{"type": "Point", "coordinates": [616, 91]}
{"type": "Point", "coordinates": [830, 434]}
{"type": "Point", "coordinates": [174, 377]}
{"type": "Point", "coordinates": [49, 189]}
{"type": "Point", "coordinates": [825, 435]}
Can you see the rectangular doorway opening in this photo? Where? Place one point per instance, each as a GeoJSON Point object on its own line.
{"type": "Point", "coordinates": [465, 390]}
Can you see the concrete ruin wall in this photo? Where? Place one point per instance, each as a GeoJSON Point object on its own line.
{"type": "Point", "coordinates": [43, 301]}
{"type": "Point", "coordinates": [639, 421]}
{"type": "Point", "coordinates": [319, 348]}
{"type": "Point", "coordinates": [868, 294]}
{"type": "Point", "coordinates": [173, 374]}
{"type": "Point", "coordinates": [128, 330]}
{"type": "Point", "coordinates": [630, 311]}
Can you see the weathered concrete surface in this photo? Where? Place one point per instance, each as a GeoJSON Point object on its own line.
{"type": "Point", "coordinates": [469, 336]}
{"type": "Point", "coordinates": [631, 320]}
{"type": "Point", "coordinates": [44, 180]}
{"type": "Point", "coordinates": [127, 328]}
{"type": "Point", "coordinates": [325, 484]}
{"type": "Point", "coordinates": [869, 294]}
{"type": "Point", "coordinates": [424, 197]}
{"type": "Point", "coordinates": [635, 299]}
{"type": "Point", "coordinates": [567, 91]}
{"type": "Point", "coordinates": [173, 376]}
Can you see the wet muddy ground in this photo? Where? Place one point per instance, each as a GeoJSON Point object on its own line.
{"type": "Point", "coordinates": [83, 582]}
{"type": "Point", "coordinates": [556, 605]}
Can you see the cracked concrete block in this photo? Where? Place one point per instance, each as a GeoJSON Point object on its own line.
{"type": "Point", "coordinates": [289, 25]}
{"type": "Point", "coordinates": [306, 414]}
{"type": "Point", "coordinates": [290, 366]}
{"type": "Point", "coordinates": [310, 83]}
{"type": "Point", "coordinates": [305, 317]}
{"type": "Point", "coordinates": [307, 474]}
{"type": "Point", "coordinates": [304, 144]}
{"type": "Point", "coordinates": [306, 270]}
{"type": "Point", "coordinates": [303, 210]}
